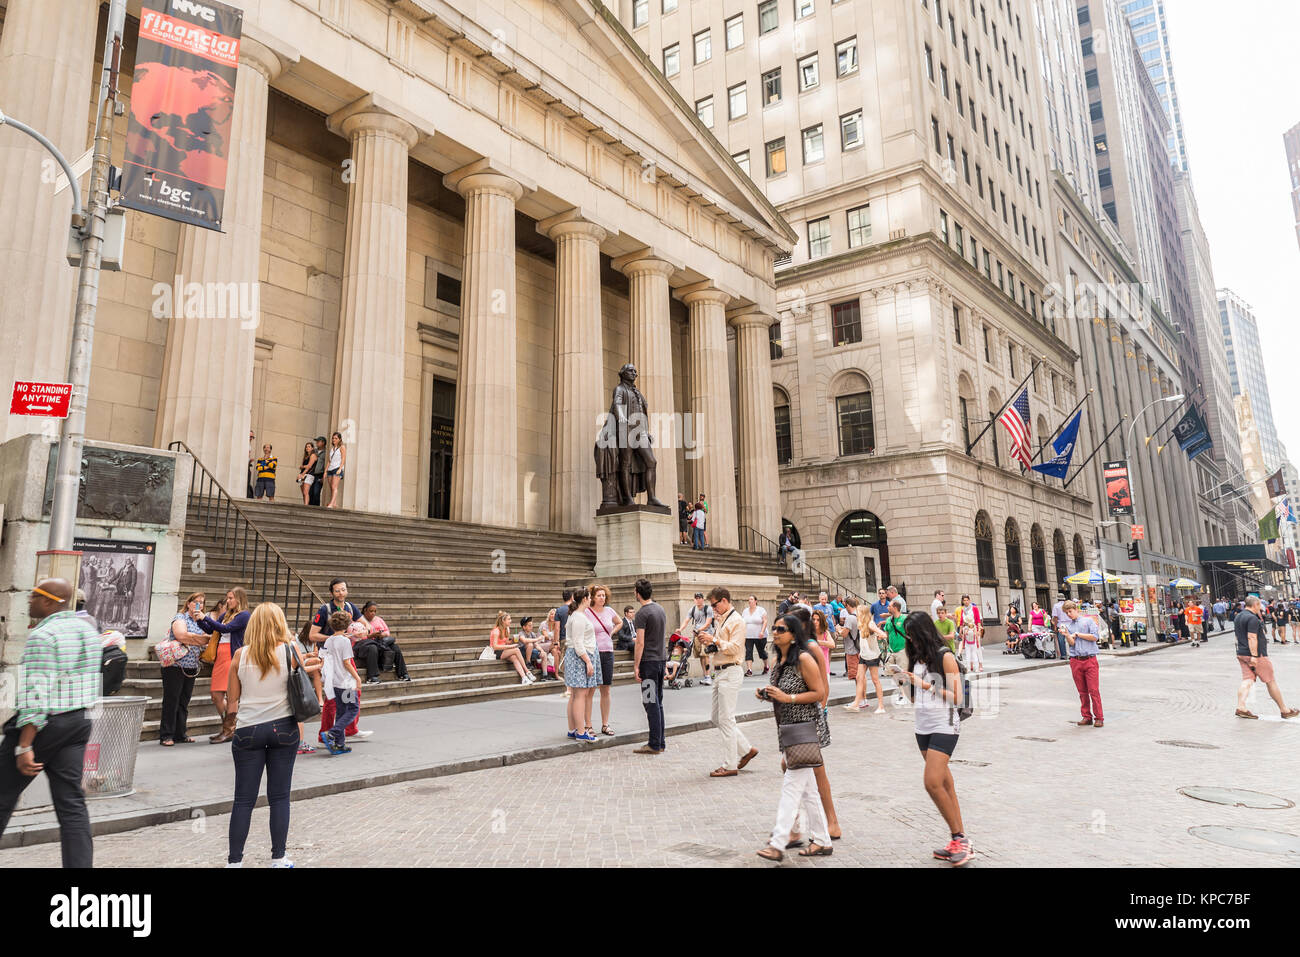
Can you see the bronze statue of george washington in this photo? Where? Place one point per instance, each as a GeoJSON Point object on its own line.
{"type": "Point", "coordinates": [625, 459]}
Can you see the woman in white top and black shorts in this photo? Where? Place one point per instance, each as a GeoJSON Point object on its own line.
{"type": "Point", "coordinates": [936, 688]}
{"type": "Point", "coordinates": [266, 734]}
{"type": "Point", "coordinates": [335, 464]}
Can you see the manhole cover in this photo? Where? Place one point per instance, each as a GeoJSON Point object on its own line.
{"type": "Point", "coordinates": [1237, 797]}
{"type": "Point", "coordinates": [1191, 744]}
{"type": "Point", "coordinates": [706, 851]}
{"type": "Point", "coordinates": [972, 764]}
{"type": "Point", "coordinates": [1249, 839]}
{"type": "Point", "coordinates": [1027, 737]}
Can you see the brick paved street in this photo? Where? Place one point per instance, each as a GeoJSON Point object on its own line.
{"type": "Point", "coordinates": [1035, 790]}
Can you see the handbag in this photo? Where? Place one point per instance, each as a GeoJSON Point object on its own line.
{"type": "Point", "coordinates": [169, 651]}
{"type": "Point", "coordinates": [302, 696]}
{"type": "Point", "coordinates": [209, 654]}
{"type": "Point", "coordinates": [799, 744]}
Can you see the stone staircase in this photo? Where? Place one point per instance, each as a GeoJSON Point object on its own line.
{"type": "Point", "coordinates": [438, 584]}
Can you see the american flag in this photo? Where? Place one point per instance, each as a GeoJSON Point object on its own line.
{"type": "Point", "coordinates": [1016, 419]}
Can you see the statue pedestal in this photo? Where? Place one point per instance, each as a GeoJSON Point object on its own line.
{"type": "Point", "coordinates": [634, 540]}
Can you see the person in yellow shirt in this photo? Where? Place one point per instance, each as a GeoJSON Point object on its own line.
{"type": "Point", "coordinates": [266, 475]}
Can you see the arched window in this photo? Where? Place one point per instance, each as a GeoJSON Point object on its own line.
{"type": "Point", "coordinates": [967, 411]}
{"type": "Point", "coordinates": [854, 420]}
{"type": "Point", "coordinates": [863, 528]}
{"type": "Point", "coordinates": [984, 549]}
{"type": "Point", "coordinates": [1058, 552]}
{"type": "Point", "coordinates": [1039, 554]}
{"type": "Point", "coordinates": [788, 526]}
{"type": "Point", "coordinates": [784, 444]}
{"type": "Point", "coordinates": [1015, 570]}
{"type": "Point", "coordinates": [1084, 591]}
{"type": "Point", "coordinates": [995, 406]}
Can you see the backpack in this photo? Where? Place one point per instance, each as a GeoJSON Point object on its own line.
{"type": "Point", "coordinates": [113, 669]}
{"type": "Point", "coordinates": [966, 709]}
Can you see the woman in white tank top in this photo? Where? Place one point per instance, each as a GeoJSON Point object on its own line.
{"type": "Point", "coordinates": [266, 733]}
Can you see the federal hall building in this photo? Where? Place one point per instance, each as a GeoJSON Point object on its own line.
{"type": "Point", "coordinates": [448, 225]}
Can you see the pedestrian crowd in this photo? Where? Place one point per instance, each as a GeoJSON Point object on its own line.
{"type": "Point", "coordinates": [322, 468]}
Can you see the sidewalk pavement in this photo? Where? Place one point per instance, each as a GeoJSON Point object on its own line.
{"type": "Point", "coordinates": [195, 780]}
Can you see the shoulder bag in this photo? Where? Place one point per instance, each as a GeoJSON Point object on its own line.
{"type": "Point", "coordinates": [302, 696]}
{"type": "Point", "coordinates": [209, 654]}
{"type": "Point", "coordinates": [799, 745]}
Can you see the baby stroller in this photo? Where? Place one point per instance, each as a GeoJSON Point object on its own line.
{"type": "Point", "coordinates": [679, 661]}
{"type": "Point", "coordinates": [1038, 643]}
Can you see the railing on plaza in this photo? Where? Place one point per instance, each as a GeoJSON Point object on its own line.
{"type": "Point", "coordinates": [268, 573]}
{"type": "Point", "coordinates": [752, 540]}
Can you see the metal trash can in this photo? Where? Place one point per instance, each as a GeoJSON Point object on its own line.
{"type": "Point", "coordinates": [109, 768]}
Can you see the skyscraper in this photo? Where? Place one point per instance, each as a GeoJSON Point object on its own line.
{"type": "Point", "coordinates": [1291, 140]}
{"type": "Point", "coordinates": [1246, 369]}
{"type": "Point", "coordinates": [1150, 33]}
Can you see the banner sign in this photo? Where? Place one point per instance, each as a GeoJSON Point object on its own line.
{"type": "Point", "coordinates": [1268, 529]}
{"type": "Point", "coordinates": [41, 398]}
{"type": "Point", "coordinates": [1139, 532]}
{"type": "Point", "coordinates": [1192, 433]}
{"type": "Point", "coordinates": [1276, 485]}
{"type": "Point", "coordinates": [117, 577]}
{"type": "Point", "coordinates": [182, 107]}
{"type": "Point", "coordinates": [1119, 495]}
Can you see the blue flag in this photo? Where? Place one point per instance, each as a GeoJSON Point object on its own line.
{"type": "Point", "coordinates": [1063, 445]}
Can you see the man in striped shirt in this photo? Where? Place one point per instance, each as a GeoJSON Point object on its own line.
{"type": "Point", "coordinates": [58, 681]}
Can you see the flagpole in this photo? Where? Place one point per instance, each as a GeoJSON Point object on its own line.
{"type": "Point", "coordinates": [1157, 429]}
{"type": "Point", "coordinates": [1104, 440]}
{"type": "Point", "coordinates": [1067, 418]}
{"type": "Point", "coordinates": [1014, 394]}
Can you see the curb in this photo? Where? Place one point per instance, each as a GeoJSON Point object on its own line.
{"type": "Point", "coordinates": [47, 833]}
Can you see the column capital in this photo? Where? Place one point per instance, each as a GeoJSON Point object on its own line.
{"type": "Point", "coordinates": [483, 175]}
{"type": "Point", "coordinates": [749, 319]}
{"type": "Point", "coordinates": [376, 113]}
{"type": "Point", "coordinates": [647, 261]}
{"type": "Point", "coordinates": [572, 222]}
{"type": "Point", "coordinates": [703, 292]}
{"type": "Point", "coordinates": [268, 55]}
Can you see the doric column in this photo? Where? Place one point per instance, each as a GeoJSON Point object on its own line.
{"type": "Point", "coordinates": [578, 395]}
{"type": "Point", "coordinates": [652, 354]}
{"type": "Point", "coordinates": [485, 470]}
{"type": "Point", "coordinates": [47, 75]}
{"type": "Point", "coordinates": [371, 351]}
{"type": "Point", "coordinates": [711, 406]}
{"type": "Point", "coordinates": [207, 379]}
{"type": "Point", "coordinates": [760, 490]}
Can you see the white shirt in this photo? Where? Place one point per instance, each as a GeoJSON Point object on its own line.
{"type": "Point", "coordinates": [263, 698]}
{"type": "Point", "coordinates": [581, 635]}
{"type": "Point", "coordinates": [934, 713]}
{"type": "Point", "coordinates": [338, 650]}
{"type": "Point", "coordinates": [934, 608]}
{"type": "Point", "coordinates": [336, 457]}
{"type": "Point", "coordinates": [754, 622]}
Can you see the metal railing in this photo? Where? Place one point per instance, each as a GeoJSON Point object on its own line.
{"type": "Point", "coordinates": [752, 540]}
{"type": "Point", "coordinates": [268, 573]}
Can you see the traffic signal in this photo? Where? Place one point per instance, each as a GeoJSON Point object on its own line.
{"type": "Point", "coordinates": [1133, 552]}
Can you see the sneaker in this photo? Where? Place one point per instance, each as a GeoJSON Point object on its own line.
{"type": "Point", "coordinates": [373, 681]}
{"type": "Point", "coordinates": [899, 700]}
{"type": "Point", "coordinates": [959, 851]}
{"type": "Point", "coordinates": [573, 734]}
{"type": "Point", "coordinates": [944, 853]}
{"type": "Point", "coordinates": [363, 734]}
{"type": "Point", "coordinates": [852, 706]}
{"type": "Point", "coordinates": [406, 678]}
{"type": "Point", "coordinates": [236, 864]}
{"type": "Point", "coordinates": [320, 736]}
{"type": "Point", "coordinates": [281, 862]}
{"type": "Point", "coordinates": [706, 680]}
{"type": "Point", "coordinates": [333, 748]}
{"type": "Point", "coordinates": [306, 749]}
{"type": "Point", "coordinates": [879, 711]}
{"type": "Point", "coordinates": [584, 737]}
{"type": "Point", "coordinates": [524, 680]}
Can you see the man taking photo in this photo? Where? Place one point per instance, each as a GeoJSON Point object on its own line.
{"type": "Point", "coordinates": [1081, 636]}
{"type": "Point", "coordinates": [727, 646]}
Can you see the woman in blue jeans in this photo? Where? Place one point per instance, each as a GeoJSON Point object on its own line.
{"type": "Point", "coordinates": [266, 734]}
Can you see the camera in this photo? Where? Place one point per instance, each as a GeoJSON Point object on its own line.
{"type": "Point", "coordinates": [711, 649]}
{"type": "Point", "coordinates": [762, 693]}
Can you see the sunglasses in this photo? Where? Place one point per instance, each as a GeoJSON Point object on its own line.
{"type": "Point", "coordinates": [779, 629]}
{"type": "Point", "coordinates": [42, 592]}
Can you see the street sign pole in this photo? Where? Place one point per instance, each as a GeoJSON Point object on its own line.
{"type": "Point", "coordinates": [67, 476]}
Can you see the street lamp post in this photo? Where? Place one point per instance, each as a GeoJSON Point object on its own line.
{"type": "Point", "coordinates": [1128, 438]}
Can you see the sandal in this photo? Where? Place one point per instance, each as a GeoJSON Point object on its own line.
{"type": "Point", "coordinates": [187, 740]}
{"type": "Point", "coordinates": [771, 854]}
{"type": "Point", "coordinates": [167, 743]}
{"type": "Point", "coordinates": [1245, 714]}
{"type": "Point", "coordinates": [816, 850]}
{"type": "Point", "coordinates": [607, 730]}
{"type": "Point", "coordinates": [723, 773]}
{"type": "Point", "coordinates": [1290, 714]}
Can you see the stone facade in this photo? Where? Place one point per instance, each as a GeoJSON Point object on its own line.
{"type": "Point", "coordinates": [419, 199]}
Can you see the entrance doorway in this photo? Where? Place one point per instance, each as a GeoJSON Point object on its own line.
{"type": "Point", "coordinates": [440, 446]}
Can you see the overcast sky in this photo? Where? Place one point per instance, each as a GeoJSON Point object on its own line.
{"type": "Point", "coordinates": [1237, 67]}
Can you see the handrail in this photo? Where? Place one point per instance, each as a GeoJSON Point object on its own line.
{"type": "Point", "coordinates": [212, 504]}
{"type": "Point", "coordinates": [823, 582]}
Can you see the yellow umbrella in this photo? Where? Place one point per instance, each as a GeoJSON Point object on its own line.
{"type": "Point", "coordinates": [1090, 576]}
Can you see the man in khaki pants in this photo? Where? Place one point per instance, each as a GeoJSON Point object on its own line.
{"type": "Point", "coordinates": [728, 649]}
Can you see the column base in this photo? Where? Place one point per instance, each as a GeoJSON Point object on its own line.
{"type": "Point", "coordinates": [634, 540]}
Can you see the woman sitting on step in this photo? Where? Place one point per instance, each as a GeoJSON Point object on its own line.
{"type": "Point", "coordinates": [504, 649]}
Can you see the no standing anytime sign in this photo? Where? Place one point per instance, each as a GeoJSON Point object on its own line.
{"type": "Point", "coordinates": [41, 398]}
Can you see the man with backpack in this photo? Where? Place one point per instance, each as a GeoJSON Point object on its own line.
{"type": "Point", "coordinates": [1082, 636]}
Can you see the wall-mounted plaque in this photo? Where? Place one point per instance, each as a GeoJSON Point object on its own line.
{"type": "Point", "coordinates": [119, 485]}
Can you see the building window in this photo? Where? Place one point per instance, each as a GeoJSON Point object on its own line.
{"type": "Point", "coordinates": [640, 12]}
{"type": "Point", "coordinates": [670, 6]}
{"type": "Point", "coordinates": [672, 60]}
{"type": "Point", "coordinates": [771, 81]}
{"type": "Point", "coordinates": [819, 237]}
{"type": "Point", "coordinates": [736, 102]}
{"type": "Point", "coordinates": [1015, 568]}
{"type": "Point", "coordinates": [934, 132]}
{"type": "Point", "coordinates": [774, 340]}
{"type": "Point", "coordinates": [859, 221]}
{"type": "Point", "coordinates": [704, 110]}
{"type": "Point", "coordinates": [803, 8]}
{"type": "Point", "coordinates": [952, 151]}
{"type": "Point", "coordinates": [1011, 358]}
{"type": "Point", "coordinates": [703, 46]}
{"type": "Point", "coordinates": [961, 104]}
{"type": "Point", "coordinates": [808, 75]}
{"type": "Point", "coordinates": [846, 322]}
{"type": "Point", "coordinates": [1038, 554]}
{"type": "Point", "coordinates": [988, 344]}
{"type": "Point", "coordinates": [775, 151]}
{"type": "Point", "coordinates": [979, 179]}
{"type": "Point", "coordinates": [929, 63]}
{"type": "Point", "coordinates": [814, 150]}
{"type": "Point", "coordinates": [734, 30]}
{"type": "Point", "coordinates": [984, 549]}
{"type": "Point", "coordinates": [988, 271]}
{"type": "Point", "coordinates": [943, 226]}
{"type": "Point", "coordinates": [742, 160]}
{"type": "Point", "coordinates": [846, 57]}
{"type": "Point", "coordinates": [865, 530]}
{"type": "Point", "coordinates": [851, 130]}
{"type": "Point", "coordinates": [856, 429]}
{"type": "Point", "coordinates": [768, 17]}
{"type": "Point", "coordinates": [960, 234]}
{"type": "Point", "coordinates": [784, 445]}
{"type": "Point", "coordinates": [943, 79]}
{"type": "Point", "coordinates": [965, 166]}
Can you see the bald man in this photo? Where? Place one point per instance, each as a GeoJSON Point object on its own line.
{"type": "Point", "coordinates": [58, 681]}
